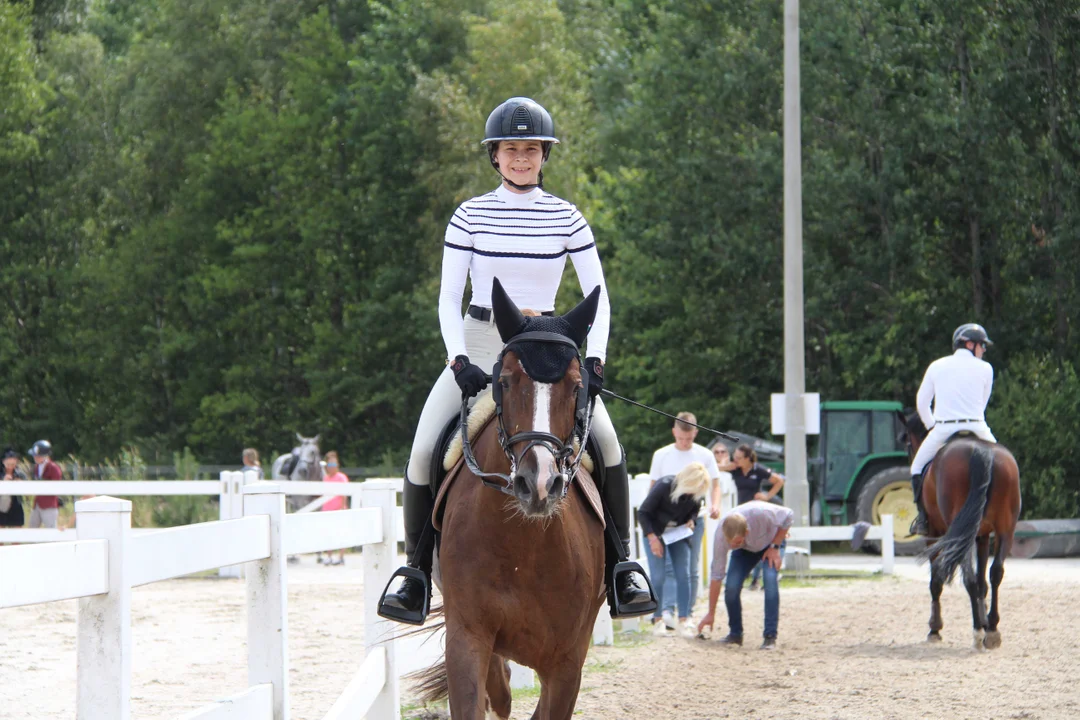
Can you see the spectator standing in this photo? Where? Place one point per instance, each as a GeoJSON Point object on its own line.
{"type": "Point", "coordinates": [46, 510]}
{"type": "Point", "coordinates": [727, 486]}
{"type": "Point", "coordinates": [671, 460]}
{"type": "Point", "coordinates": [753, 481]}
{"type": "Point", "coordinates": [251, 463]}
{"type": "Point", "coordinates": [11, 509]}
{"type": "Point", "coordinates": [333, 474]}
{"type": "Point", "coordinates": [668, 517]}
{"type": "Point", "coordinates": [754, 532]}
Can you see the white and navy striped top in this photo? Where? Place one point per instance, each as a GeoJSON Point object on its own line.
{"type": "Point", "coordinates": [523, 239]}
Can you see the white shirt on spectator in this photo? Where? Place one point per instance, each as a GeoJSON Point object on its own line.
{"type": "Point", "coordinates": [670, 460]}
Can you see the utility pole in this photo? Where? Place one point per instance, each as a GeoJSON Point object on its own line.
{"type": "Point", "coordinates": [796, 489]}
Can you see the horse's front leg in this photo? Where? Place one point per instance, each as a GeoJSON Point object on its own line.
{"type": "Point", "coordinates": [559, 688]}
{"type": "Point", "coordinates": [498, 687]}
{"type": "Point", "coordinates": [936, 584]}
{"type": "Point", "coordinates": [992, 640]}
{"type": "Point", "coordinates": [468, 657]}
{"type": "Point", "coordinates": [978, 604]}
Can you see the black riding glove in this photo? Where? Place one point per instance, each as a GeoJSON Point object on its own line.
{"type": "Point", "coordinates": [595, 368]}
{"type": "Point", "coordinates": [469, 377]}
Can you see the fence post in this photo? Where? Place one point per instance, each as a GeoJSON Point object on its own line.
{"type": "Point", "coordinates": [103, 644]}
{"type": "Point", "coordinates": [888, 545]}
{"type": "Point", "coordinates": [267, 608]}
{"type": "Point", "coordinates": [380, 560]}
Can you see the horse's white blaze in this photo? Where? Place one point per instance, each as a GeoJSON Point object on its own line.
{"type": "Point", "coordinates": [545, 461]}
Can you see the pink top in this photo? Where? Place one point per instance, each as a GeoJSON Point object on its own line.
{"type": "Point", "coordinates": [337, 503]}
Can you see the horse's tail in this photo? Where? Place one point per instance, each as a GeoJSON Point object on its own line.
{"type": "Point", "coordinates": [430, 684]}
{"type": "Point", "coordinates": [955, 547]}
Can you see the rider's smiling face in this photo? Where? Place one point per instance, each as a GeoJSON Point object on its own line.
{"type": "Point", "coordinates": [520, 160]}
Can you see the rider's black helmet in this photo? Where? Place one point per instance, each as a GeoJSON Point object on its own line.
{"type": "Point", "coordinates": [41, 447]}
{"type": "Point", "coordinates": [519, 118]}
{"type": "Point", "coordinates": [970, 332]}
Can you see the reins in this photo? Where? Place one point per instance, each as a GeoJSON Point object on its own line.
{"type": "Point", "coordinates": [563, 450]}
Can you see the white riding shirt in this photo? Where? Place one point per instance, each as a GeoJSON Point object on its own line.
{"type": "Point", "coordinates": [959, 387]}
{"type": "Point", "coordinates": [522, 239]}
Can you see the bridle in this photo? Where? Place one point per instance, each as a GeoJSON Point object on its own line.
{"type": "Point", "coordinates": [567, 460]}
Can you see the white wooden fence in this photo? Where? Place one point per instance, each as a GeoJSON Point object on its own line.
{"type": "Point", "coordinates": [231, 540]}
{"type": "Point", "coordinates": [107, 559]}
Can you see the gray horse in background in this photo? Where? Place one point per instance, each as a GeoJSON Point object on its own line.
{"type": "Point", "coordinates": [303, 463]}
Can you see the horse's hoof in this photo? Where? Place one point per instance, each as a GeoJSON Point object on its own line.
{"type": "Point", "coordinates": [979, 635]}
{"type": "Point", "coordinates": [933, 637]}
{"type": "Point", "coordinates": [992, 641]}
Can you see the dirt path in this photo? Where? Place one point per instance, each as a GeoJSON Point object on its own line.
{"type": "Point", "coordinates": [848, 649]}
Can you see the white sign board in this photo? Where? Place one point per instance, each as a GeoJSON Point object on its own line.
{"type": "Point", "coordinates": [811, 413]}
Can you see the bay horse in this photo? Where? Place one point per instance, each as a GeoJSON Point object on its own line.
{"type": "Point", "coordinates": [521, 560]}
{"type": "Point", "coordinates": [972, 489]}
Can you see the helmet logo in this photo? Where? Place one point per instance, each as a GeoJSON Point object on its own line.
{"type": "Point", "coordinates": [522, 127]}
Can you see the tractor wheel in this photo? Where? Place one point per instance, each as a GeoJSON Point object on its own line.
{"type": "Point", "coordinates": [889, 492]}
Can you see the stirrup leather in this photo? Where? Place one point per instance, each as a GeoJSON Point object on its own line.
{"type": "Point", "coordinates": [618, 610]}
{"type": "Point", "coordinates": [402, 615]}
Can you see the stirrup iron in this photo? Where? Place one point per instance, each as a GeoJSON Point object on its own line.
{"type": "Point", "coordinates": [618, 609]}
{"type": "Point", "coordinates": [402, 615]}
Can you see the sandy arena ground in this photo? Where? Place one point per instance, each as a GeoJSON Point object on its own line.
{"type": "Point", "coordinates": [850, 649]}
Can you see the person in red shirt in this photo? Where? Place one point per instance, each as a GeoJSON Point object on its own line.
{"type": "Point", "coordinates": [46, 507]}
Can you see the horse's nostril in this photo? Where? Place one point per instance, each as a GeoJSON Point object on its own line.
{"type": "Point", "coordinates": [557, 484]}
{"type": "Point", "coordinates": [521, 487]}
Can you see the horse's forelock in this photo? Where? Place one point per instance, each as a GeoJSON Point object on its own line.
{"type": "Point", "coordinates": [545, 362]}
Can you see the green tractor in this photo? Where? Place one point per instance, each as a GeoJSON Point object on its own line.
{"type": "Point", "coordinates": [858, 468]}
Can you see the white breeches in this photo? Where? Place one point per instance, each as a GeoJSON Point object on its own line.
{"type": "Point", "coordinates": [484, 344]}
{"type": "Point", "coordinates": [937, 437]}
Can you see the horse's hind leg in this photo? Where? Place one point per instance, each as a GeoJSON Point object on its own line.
{"type": "Point", "coordinates": [559, 692]}
{"type": "Point", "coordinates": [498, 687]}
{"type": "Point", "coordinates": [978, 604]}
{"type": "Point", "coordinates": [992, 640]}
{"type": "Point", "coordinates": [936, 584]}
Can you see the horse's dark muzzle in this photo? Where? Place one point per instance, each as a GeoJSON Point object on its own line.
{"type": "Point", "coordinates": [531, 503]}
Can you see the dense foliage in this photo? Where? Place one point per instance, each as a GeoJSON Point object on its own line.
{"type": "Point", "coordinates": [221, 220]}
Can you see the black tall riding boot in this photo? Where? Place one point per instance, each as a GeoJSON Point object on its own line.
{"type": "Point", "coordinates": [409, 604]}
{"type": "Point", "coordinates": [632, 594]}
{"type": "Point", "coordinates": [919, 524]}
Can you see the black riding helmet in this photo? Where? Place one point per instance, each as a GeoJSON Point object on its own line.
{"type": "Point", "coordinates": [519, 118]}
{"type": "Point", "coordinates": [970, 332]}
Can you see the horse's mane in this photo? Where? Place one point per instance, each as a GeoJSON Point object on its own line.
{"type": "Point", "coordinates": [914, 424]}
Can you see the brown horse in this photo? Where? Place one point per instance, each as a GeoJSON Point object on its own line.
{"type": "Point", "coordinates": [972, 489]}
{"type": "Point", "coordinates": [522, 570]}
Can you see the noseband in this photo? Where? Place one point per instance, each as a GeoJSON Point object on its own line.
{"type": "Point", "coordinates": [567, 460]}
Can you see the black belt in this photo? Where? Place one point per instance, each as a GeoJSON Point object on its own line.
{"type": "Point", "coordinates": [483, 314]}
{"type": "Point", "coordinates": [953, 422]}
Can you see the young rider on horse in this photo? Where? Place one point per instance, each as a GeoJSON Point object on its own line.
{"type": "Point", "coordinates": [522, 235]}
{"type": "Point", "coordinates": [959, 385]}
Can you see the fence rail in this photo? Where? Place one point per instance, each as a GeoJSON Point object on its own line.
{"type": "Point", "coordinates": [108, 559]}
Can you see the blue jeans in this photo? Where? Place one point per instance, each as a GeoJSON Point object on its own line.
{"type": "Point", "coordinates": [695, 569]}
{"type": "Point", "coordinates": [680, 560]}
{"type": "Point", "coordinates": [740, 564]}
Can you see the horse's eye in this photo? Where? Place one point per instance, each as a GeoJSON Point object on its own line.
{"type": "Point", "coordinates": [504, 383]}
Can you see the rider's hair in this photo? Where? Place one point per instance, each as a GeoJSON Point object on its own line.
{"type": "Point", "coordinates": [692, 480]}
{"type": "Point", "coordinates": [684, 419]}
{"type": "Point", "coordinates": [332, 455]}
{"type": "Point", "coordinates": [748, 452]}
{"type": "Point", "coordinates": [734, 525]}
{"type": "Point", "coordinates": [251, 455]}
